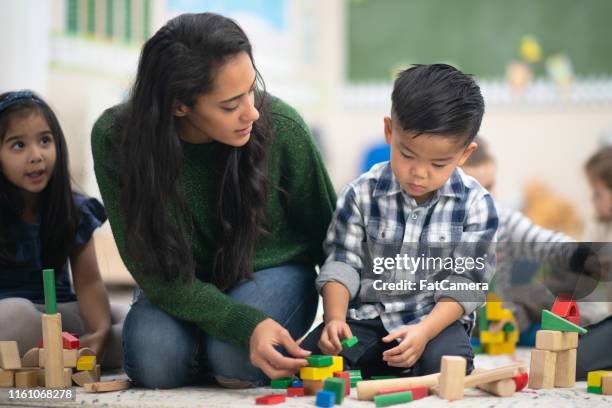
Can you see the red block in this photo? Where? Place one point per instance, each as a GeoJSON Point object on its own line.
{"type": "Point", "coordinates": [417, 392]}
{"type": "Point", "coordinates": [565, 306]}
{"type": "Point", "coordinates": [70, 342]}
{"type": "Point", "coordinates": [40, 344]}
{"type": "Point", "coordinates": [270, 399]}
{"type": "Point", "coordinates": [521, 381]}
{"type": "Point", "coordinates": [295, 392]}
{"type": "Point", "coordinates": [347, 380]}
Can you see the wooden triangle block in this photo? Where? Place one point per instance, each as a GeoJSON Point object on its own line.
{"type": "Point", "coordinates": [565, 306]}
{"type": "Point", "coordinates": [551, 321]}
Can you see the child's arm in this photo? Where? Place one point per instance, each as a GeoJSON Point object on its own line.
{"type": "Point", "coordinates": [91, 295]}
{"type": "Point", "coordinates": [335, 305]}
{"type": "Point", "coordinates": [416, 336]}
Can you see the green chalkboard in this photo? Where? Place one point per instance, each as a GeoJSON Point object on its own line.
{"type": "Point", "coordinates": [478, 36]}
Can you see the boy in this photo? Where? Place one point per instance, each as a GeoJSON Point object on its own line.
{"type": "Point", "coordinates": [418, 199]}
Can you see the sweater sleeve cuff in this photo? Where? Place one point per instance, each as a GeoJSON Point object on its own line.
{"type": "Point", "coordinates": [339, 272]}
{"type": "Point", "coordinates": [470, 300]}
{"type": "Point", "coordinates": [242, 320]}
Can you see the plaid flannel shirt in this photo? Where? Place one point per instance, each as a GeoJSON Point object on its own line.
{"type": "Point", "coordinates": [374, 208]}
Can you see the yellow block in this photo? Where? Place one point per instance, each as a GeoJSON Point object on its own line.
{"type": "Point", "coordinates": [494, 310]}
{"type": "Point", "coordinates": [337, 364]}
{"type": "Point", "coordinates": [507, 314]}
{"type": "Point", "coordinates": [486, 337]}
{"type": "Point", "coordinates": [499, 348]}
{"type": "Point", "coordinates": [86, 363]}
{"type": "Point", "coordinates": [316, 373]}
{"type": "Point", "coordinates": [512, 337]}
{"type": "Point", "coordinates": [594, 377]}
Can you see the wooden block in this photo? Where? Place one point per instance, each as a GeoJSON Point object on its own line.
{"type": "Point", "coordinates": [542, 369]}
{"type": "Point", "coordinates": [30, 358]}
{"type": "Point", "coordinates": [570, 340]}
{"type": "Point", "coordinates": [521, 381]}
{"type": "Point", "coordinates": [26, 379]}
{"type": "Point", "coordinates": [417, 392]}
{"type": "Point", "coordinates": [316, 373]}
{"type": "Point", "coordinates": [69, 341]}
{"type": "Point", "coordinates": [85, 351]}
{"type": "Point", "coordinates": [7, 378]}
{"type": "Point", "coordinates": [83, 377]}
{"type": "Point", "coordinates": [107, 386]}
{"type": "Point", "coordinates": [550, 340]}
{"type": "Point", "coordinates": [606, 385]}
{"type": "Point", "coordinates": [86, 363]}
{"type": "Point", "coordinates": [311, 387]}
{"type": "Point", "coordinates": [452, 375]}
{"type": "Point", "coordinates": [9, 355]}
{"type": "Point", "coordinates": [385, 400]}
{"type": "Point", "coordinates": [501, 388]}
{"type": "Point", "coordinates": [494, 310]}
{"type": "Point", "coordinates": [565, 369]}
{"type": "Point", "coordinates": [551, 321]}
{"type": "Point", "coordinates": [53, 360]}
{"type": "Point", "coordinates": [69, 358]}
{"type": "Point", "coordinates": [67, 377]}
{"type": "Point", "coordinates": [594, 377]}
{"type": "Point", "coordinates": [366, 390]}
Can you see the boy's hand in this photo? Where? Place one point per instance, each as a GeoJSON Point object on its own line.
{"type": "Point", "coordinates": [409, 350]}
{"type": "Point", "coordinates": [334, 330]}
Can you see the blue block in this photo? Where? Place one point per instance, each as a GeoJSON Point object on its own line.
{"type": "Point", "coordinates": [325, 399]}
{"type": "Point", "coordinates": [297, 383]}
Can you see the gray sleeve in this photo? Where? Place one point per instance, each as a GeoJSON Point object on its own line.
{"type": "Point", "coordinates": [470, 300]}
{"type": "Point", "coordinates": [339, 272]}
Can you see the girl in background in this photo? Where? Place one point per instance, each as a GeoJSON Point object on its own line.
{"type": "Point", "coordinates": [44, 224]}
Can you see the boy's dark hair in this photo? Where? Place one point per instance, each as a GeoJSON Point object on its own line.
{"type": "Point", "coordinates": [59, 216]}
{"type": "Point", "coordinates": [600, 165]}
{"type": "Point", "coordinates": [438, 99]}
{"type": "Point", "coordinates": [481, 155]}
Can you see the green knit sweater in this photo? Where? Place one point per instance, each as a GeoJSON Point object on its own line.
{"type": "Point", "coordinates": [298, 220]}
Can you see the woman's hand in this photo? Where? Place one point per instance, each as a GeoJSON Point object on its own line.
{"type": "Point", "coordinates": [268, 334]}
{"type": "Point", "coordinates": [329, 343]}
{"type": "Point", "coordinates": [96, 341]}
{"type": "Point", "coordinates": [405, 354]}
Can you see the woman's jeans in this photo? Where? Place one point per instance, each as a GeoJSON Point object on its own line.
{"type": "Point", "coordinates": [161, 351]}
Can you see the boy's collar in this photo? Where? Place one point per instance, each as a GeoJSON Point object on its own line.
{"type": "Point", "coordinates": [387, 184]}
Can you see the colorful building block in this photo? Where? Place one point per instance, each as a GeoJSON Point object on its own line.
{"type": "Point", "coordinates": [317, 360]}
{"type": "Point", "coordinates": [386, 400]}
{"type": "Point", "coordinates": [566, 307]}
{"type": "Point", "coordinates": [512, 337]}
{"type": "Point", "coordinates": [316, 373]}
{"type": "Point", "coordinates": [348, 343]}
{"type": "Point", "coordinates": [69, 341]}
{"type": "Point", "coordinates": [594, 377]}
{"type": "Point", "coordinates": [483, 323]}
{"type": "Point", "coordinates": [296, 392]}
{"type": "Point", "coordinates": [488, 337]}
{"type": "Point", "coordinates": [325, 399]}
{"type": "Point", "coordinates": [521, 380]}
{"type": "Point", "coordinates": [551, 321]}
{"type": "Point", "coordinates": [337, 385]}
{"type": "Point", "coordinates": [417, 392]}
{"type": "Point", "coordinates": [86, 363]}
{"type": "Point", "coordinates": [508, 328]}
{"type": "Point", "coordinates": [355, 376]}
{"type": "Point", "coordinates": [281, 383]}
{"type": "Point", "coordinates": [297, 383]}
{"type": "Point", "coordinates": [594, 390]}
{"type": "Point", "coordinates": [270, 399]}
{"type": "Point", "coordinates": [499, 348]}
{"type": "Point", "coordinates": [494, 307]}
{"type": "Point", "coordinates": [347, 381]}
{"type": "Point", "coordinates": [337, 364]}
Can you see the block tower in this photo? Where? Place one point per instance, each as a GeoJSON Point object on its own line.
{"type": "Point", "coordinates": [553, 361]}
{"type": "Point", "coordinates": [498, 333]}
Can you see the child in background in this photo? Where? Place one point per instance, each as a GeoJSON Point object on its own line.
{"type": "Point", "coordinates": [421, 198]}
{"type": "Point", "coordinates": [519, 239]}
{"type": "Point", "coordinates": [43, 224]}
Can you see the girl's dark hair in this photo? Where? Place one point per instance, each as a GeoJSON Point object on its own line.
{"type": "Point", "coordinates": [438, 99]}
{"type": "Point", "coordinates": [59, 216]}
{"type": "Point", "coordinates": [600, 165]}
{"type": "Point", "coordinates": [177, 65]}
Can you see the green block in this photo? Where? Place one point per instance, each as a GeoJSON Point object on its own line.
{"type": "Point", "coordinates": [509, 328]}
{"type": "Point", "coordinates": [49, 290]}
{"type": "Point", "coordinates": [317, 360]}
{"type": "Point", "coordinates": [551, 321]}
{"type": "Point", "coordinates": [354, 373]}
{"type": "Point", "coordinates": [478, 349]}
{"type": "Point", "coordinates": [382, 377]}
{"type": "Point", "coordinates": [348, 343]}
{"type": "Point", "coordinates": [336, 385]}
{"type": "Point", "coordinates": [594, 390]}
{"type": "Point", "coordinates": [483, 323]}
{"type": "Point", "coordinates": [281, 383]}
{"type": "Point", "coordinates": [393, 399]}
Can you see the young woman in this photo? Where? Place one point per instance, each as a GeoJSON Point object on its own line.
{"type": "Point", "coordinates": [219, 202]}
